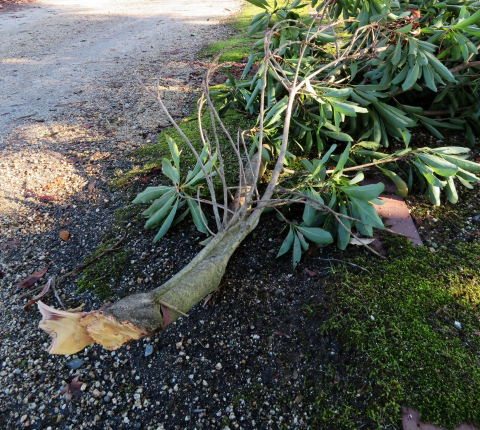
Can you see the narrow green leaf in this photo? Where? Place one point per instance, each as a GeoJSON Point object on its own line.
{"type": "Point", "coordinates": [297, 252]}
{"type": "Point", "coordinates": [343, 158]}
{"type": "Point", "coordinates": [367, 212]}
{"type": "Point", "coordinates": [166, 224]}
{"type": "Point", "coordinates": [175, 152]}
{"type": "Point", "coordinates": [464, 164]}
{"type": "Point", "coordinates": [364, 192]}
{"type": "Point", "coordinates": [439, 165]}
{"type": "Point", "coordinates": [343, 235]}
{"type": "Point", "coordinates": [169, 171]}
{"type": "Point", "coordinates": [158, 204]}
{"type": "Point", "coordinates": [151, 193]}
{"type": "Point", "coordinates": [158, 216]}
{"type": "Point", "coordinates": [402, 188]}
{"type": "Point", "coordinates": [451, 191]}
{"type": "Point", "coordinates": [287, 243]}
{"type": "Point", "coordinates": [316, 234]}
{"type": "Point", "coordinates": [198, 217]}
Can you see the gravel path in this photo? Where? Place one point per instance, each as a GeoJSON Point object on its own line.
{"type": "Point", "coordinates": [68, 85]}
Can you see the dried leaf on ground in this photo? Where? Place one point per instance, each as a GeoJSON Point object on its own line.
{"type": "Point", "coordinates": [40, 295]}
{"type": "Point", "coordinates": [73, 389]}
{"type": "Point", "coordinates": [34, 277]}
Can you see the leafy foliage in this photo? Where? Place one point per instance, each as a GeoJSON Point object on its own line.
{"type": "Point", "coordinates": [362, 75]}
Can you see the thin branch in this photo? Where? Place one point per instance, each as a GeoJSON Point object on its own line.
{"type": "Point", "coordinates": [345, 262]}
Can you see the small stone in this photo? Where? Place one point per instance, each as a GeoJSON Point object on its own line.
{"type": "Point", "coordinates": [218, 366]}
{"type": "Point", "coordinates": [64, 235]}
{"type": "Point", "coordinates": [75, 363]}
{"type": "Point", "coordinates": [148, 350]}
{"type": "Point", "coordinates": [106, 399]}
{"type": "Point", "coordinates": [24, 417]}
{"type": "Point", "coordinates": [431, 249]}
{"type": "Point", "coordinates": [457, 325]}
{"type": "Point", "coordinates": [96, 393]}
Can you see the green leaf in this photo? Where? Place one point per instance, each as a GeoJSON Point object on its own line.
{"type": "Point", "coordinates": [439, 67]}
{"type": "Point", "coordinates": [158, 204]}
{"type": "Point", "coordinates": [248, 65]}
{"type": "Point", "coordinates": [274, 113]}
{"type": "Point", "coordinates": [427, 172]}
{"type": "Point", "coordinates": [451, 191]}
{"type": "Point", "coordinates": [287, 243]}
{"type": "Point", "coordinates": [343, 137]}
{"type": "Point", "coordinates": [343, 159]}
{"type": "Point", "coordinates": [402, 189]}
{"type": "Point", "coordinates": [151, 193]}
{"type": "Point", "coordinates": [439, 165]}
{"type": "Point", "coordinates": [429, 77]}
{"type": "Point", "coordinates": [198, 217]}
{"type": "Point", "coordinates": [169, 171]}
{"type": "Point", "coordinates": [367, 213]}
{"type": "Point", "coordinates": [174, 151]}
{"type": "Point", "coordinates": [411, 77]}
{"type": "Point", "coordinates": [297, 252]}
{"type": "Point", "coordinates": [343, 235]}
{"type": "Point", "coordinates": [404, 30]}
{"type": "Point", "coordinates": [397, 53]}
{"type": "Point", "coordinates": [473, 19]}
{"type": "Point", "coordinates": [460, 162]}
{"type": "Point", "coordinates": [358, 178]}
{"type": "Point", "coordinates": [465, 183]}
{"type": "Point", "coordinates": [158, 216]}
{"type": "Point", "coordinates": [434, 194]}
{"type": "Point", "coordinates": [166, 224]}
{"type": "Point", "coordinates": [316, 234]}
{"type": "Point", "coordinates": [452, 150]}
{"type": "Point", "coordinates": [364, 192]}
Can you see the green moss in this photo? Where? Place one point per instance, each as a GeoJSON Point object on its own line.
{"type": "Point", "coordinates": [151, 155]}
{"type": "Point", "coordinates": [399, 325]}
{"type": "Point", "coordinates": [104, 273]}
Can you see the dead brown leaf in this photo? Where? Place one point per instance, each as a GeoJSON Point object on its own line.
{"type": "Point", "coordinates": [73, 389]}
{"type": "Point", "coordinates": [34, 277]}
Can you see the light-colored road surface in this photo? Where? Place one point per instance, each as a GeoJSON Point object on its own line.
{"type": "Point", "coordinates": [68, 84]}
{"type": "Point", "coordinates": [60, 51]}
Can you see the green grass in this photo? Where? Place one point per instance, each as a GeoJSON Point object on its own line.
{"type": "Point", "coordinates": [399, 325]}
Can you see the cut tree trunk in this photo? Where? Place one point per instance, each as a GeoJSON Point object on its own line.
{"type": "Point", "coordinates": [143, 314]}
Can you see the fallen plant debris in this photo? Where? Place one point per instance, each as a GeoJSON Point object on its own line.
{"type": "Point", "coordinates": [34, 277]}
{"type": "Point", "coordinates": [36, 298]}
{"type": "Point", "coordinates": [72, 389]}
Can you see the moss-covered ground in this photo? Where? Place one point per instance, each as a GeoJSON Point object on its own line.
{"type": "Point", "coordinates": [411, 330]}
{"type": "Point", "coordinates": [101, 276]}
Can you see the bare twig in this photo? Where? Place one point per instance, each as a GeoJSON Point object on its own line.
{"type": "Point", "coordinates": [345, 262]}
